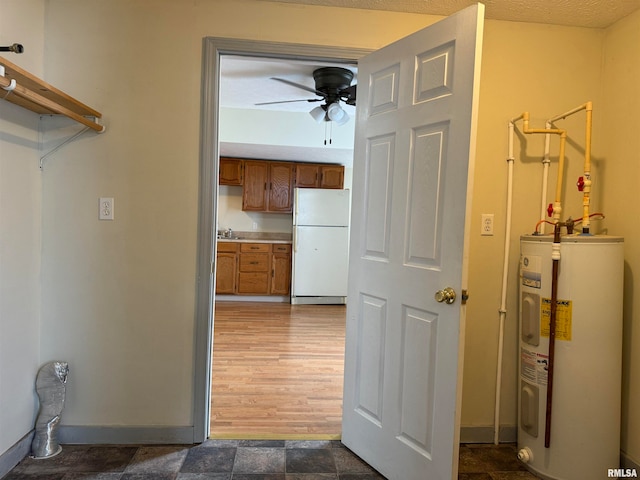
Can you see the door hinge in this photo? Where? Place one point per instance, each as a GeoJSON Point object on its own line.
{"type": "Point", "coordinates": [465, 297]}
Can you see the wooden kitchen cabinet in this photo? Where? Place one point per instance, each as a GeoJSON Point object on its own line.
{"type": "Point", "coordinates": [254, 269]}
{"type": "Point", "coordinates": [280, 191]}
{"type": "Point", "coordinates": [254, 189]}
{"type": "Point", "coordinates": [331, 176]}
{"type": "Point", "coordinates": [230, 171]}
{"type": "Point", "coordinates": [281, 269]}
{"type": "Point", "coordinates": [307, 175]}
{"type": "Point", "coordinates": [315, 175]}
{"type": "Point", "coordinates": [268, 186]}
{"type": "Point", "coordinates": [226, 267]}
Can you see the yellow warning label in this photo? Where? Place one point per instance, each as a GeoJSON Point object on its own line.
{"type": "Point", "coordinates": [563, 318]}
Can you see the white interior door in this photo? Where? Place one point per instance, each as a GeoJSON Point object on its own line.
{"type": "Point", "coordinates": [415, 143]}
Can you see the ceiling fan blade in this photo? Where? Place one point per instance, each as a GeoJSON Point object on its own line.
{"type": "Point", "coordinates": [349, 94]}
{"type": "Point", "coordinates": [291, 101]}
{"type": "Point", "coordinates": [297, 85]}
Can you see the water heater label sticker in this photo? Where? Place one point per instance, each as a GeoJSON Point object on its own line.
{"type": "Point", "coordinates": [534, 366]}
{"type": "Point", "coordinates": [531, 271]}
{"type": "Point", "coordinates": [563, 318]}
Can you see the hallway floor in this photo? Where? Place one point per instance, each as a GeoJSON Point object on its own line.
{"type": "Point", "coordinates": [245, 460]}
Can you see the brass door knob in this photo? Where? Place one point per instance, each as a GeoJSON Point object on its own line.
{"type": "Point", "coordinates": [447, 295]}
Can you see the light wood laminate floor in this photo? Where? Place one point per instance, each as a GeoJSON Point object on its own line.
{"type": "Point", "coordinates": [277, 371]}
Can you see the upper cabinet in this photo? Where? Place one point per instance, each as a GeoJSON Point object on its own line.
{"type": "Point", "coordinates": [268, 186]}
{"type": "Point", "coordinates": [230, 171]}
{"type": "Point", "coordinates": [317, 175]}
{"type": "Point", "coordinates": [331, 176]}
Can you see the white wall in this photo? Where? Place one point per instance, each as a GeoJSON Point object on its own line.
{"type": "Point", "coordinates": [22, 21]}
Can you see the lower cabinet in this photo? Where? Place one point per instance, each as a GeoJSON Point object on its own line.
{"type": "Point", "coordinates": [253, 268]}
{"type": "Point", "coordinates": [281, 269]}
{"type": "Point", "coordinates": [226, 267]}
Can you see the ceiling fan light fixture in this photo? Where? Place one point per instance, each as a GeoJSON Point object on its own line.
{"type": "Point", "coordinates": [318, 114]}
{"type": "Point", "coordinates": [335, 113]}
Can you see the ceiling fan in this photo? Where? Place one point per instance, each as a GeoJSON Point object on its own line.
{"type": "Point", "coordinates": [332, 85]}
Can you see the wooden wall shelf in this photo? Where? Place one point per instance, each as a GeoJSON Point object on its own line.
{"type": "Point", "coordinates": [35, 94]}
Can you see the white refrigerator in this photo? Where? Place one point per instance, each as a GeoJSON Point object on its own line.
{"type": "Point", "coordinates": [320, 246]}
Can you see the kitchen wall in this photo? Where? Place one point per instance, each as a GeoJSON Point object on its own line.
{"type": "Point", "coordinates": [22, 21]}
{"type": "Point", "coordinates": [245, 130]}
{"type": "Point", "coordinates": [230, 215]}
{"type": "Point", "coordinates": [118, 297]}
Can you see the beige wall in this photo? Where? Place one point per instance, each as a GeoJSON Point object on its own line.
{"type": "Point", "coordinates": [20, 230]}
{"type": "Point", "coordinates": [118, 297]}
{"type": "Point", "coordinates": [621, 147]}
{"type": "Point", "coordinates": [545, 70]}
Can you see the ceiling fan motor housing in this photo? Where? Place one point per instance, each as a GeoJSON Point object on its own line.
{"type": "Point", "coordinates": [331, 81]}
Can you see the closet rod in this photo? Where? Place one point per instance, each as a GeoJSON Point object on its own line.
{"type": "Point", "coordinates": [15, 89]}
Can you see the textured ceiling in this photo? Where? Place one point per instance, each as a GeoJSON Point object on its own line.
{"type": "Point", "coordinates": [246, 81]}
{"type": "Point", "coordinates": [578, 13]}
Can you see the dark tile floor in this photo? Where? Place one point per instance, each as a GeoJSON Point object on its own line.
{"type": "Point", "coordinates": [244, 460]}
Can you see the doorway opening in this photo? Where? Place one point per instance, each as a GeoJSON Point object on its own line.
{"type": "Point", "coordinates": [215, 50]}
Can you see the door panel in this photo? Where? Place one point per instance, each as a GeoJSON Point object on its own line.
{"type": "Point", "coordinates": [415, 142]}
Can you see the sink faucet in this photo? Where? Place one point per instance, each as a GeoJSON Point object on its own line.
{"type": "Point", "coordinates": [229, 233]}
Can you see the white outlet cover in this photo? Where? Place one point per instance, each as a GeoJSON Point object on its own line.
{"type": "Point", "coordinates": [106, 208]}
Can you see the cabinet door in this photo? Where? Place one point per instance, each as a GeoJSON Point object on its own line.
{"type": "Point", "coordinates": [226, 272]}
{"type": "Point", "coordinates": [280, 191]}
{"type": "Point", "coordinates": [281, 270]}
{"type": "Point", "coordinates": [230, 171]}
{"type": "Point", "coordinates": [256, 174]}
{"type": "Point", "coordinates": [331, 176]}
{"type": "Point", "coordinates": [307, 175]}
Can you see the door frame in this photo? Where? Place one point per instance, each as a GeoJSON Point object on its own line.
{"type": "Point", "coordinates": [213, 48]}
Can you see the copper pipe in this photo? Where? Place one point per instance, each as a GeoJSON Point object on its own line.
{"type": "Point", "coordinates": [552, 331]}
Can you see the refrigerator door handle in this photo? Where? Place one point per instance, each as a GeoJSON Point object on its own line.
{"type": "Point", "coordinates": [295, 242]}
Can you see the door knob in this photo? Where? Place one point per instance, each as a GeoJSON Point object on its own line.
{"type": "Point", "coordinates": [447, 295]}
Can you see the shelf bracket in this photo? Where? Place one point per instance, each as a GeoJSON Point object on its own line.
{"type": "Point", "coordinates": [55, 149]}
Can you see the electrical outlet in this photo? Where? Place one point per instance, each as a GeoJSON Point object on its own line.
{"type": "Point", "coordinates": [106, 208]}
{"type": "Point", "coordinates": [487, 224]}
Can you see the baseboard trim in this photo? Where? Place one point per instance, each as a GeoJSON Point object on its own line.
{"type": "Point", "coordinates": [507, 434]}
{"type": "Point", "coordinates": [627, 462]}
{"type": "Point", "coordinates": [69, 434]}
{"type": "Point", "coordinates": [15, 454]}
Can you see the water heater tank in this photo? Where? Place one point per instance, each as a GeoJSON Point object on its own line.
{"type": "Point", "coordinates": [585, 420]}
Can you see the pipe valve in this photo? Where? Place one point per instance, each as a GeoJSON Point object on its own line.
{"type": "Point", "coordinates": [580, 184]}
{"type": "Point", "coordinates": [550, 210]}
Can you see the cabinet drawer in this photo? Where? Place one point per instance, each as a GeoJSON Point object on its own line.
{"type": "Point", "coordinates": [254, 262]}
{"type": "Point", "coordinates": [227, 247]}
{"type": "Point", "coordinates": [255, 247]}
{"type": "Point", "coordinates": [281, 248]}
{"type": "Point", "coordinates": [253, 283]}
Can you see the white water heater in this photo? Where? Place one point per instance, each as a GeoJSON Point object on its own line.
{"type": "Point", "coordinates": [584, 440]}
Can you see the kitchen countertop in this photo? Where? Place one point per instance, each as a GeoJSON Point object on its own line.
{"type": "Point", "coordinates": [257, 237]}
